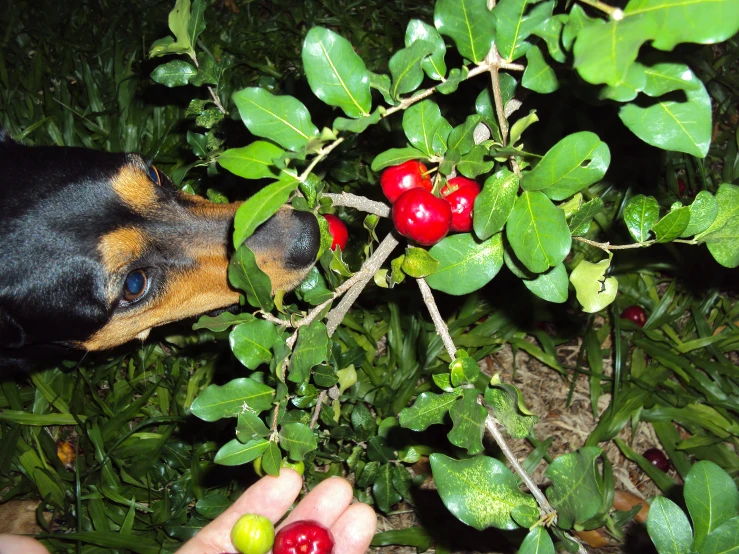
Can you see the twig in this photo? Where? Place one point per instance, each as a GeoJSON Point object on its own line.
{"type": "Point", "coordinates": [494, 60]}
{"type": "Point", "coordinates": [216, 100]}
{"type": "Point", "coordinates": [358, 202]}
{"type": "Point", "coordinates": [322, 153]}
{"type": "Point", "coordinates": [607, 246]}
{"type": "Point", "coordinates": [358, 281]}
{"type": "Point", "coordinates": [614, 13]}
{"type": "Point", "coordinates": [441, 327]}
{"type": "Point", "coordinates": [492, 426]}
{"type": "Point", "coordinates": [317, 410]}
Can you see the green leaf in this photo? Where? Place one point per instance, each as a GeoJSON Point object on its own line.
{"type": "Point", "coordinates": [249, 426]}
{"type": "Point", "coordinates": [179, 22]}
{"type": "Point", "coordinates": [260, 207]}
{"type": "Point", "coordinates": [538, 76]}
{"type": "Point", "coordinates": [282, 119]}
{"type": "Point", "coordinates": [382, 83]}
{"type": "Point", "coordinates": [593, 289]}
{"type": "Point", "coordinates": [508, 407]}
{"type": "Point", "coordinates": [176, 73]}
{"type": "Point", "coordinates": [469, 24]}
{"type": "Point", "coordinates": [462, 137]}
{"type": "Point", "coordinates": [465, 264]}
{"type": "Point", "coordinates": [480, 492]}
{"type": "Point", "coordinates": [551, 32]}
{"type": "Point", "coordinates": [711, 21]}
{"type": "Point", "coordinates": [577, 486]}
{"type": "Point", "coordinates": [229, 400]}
{"type": "Point", "coordinates": [428, 409]}
{"type": "Point", "coordinates": [396, 156]}
{"type": "Point", "coordinates": [515, 22]}
{"type": "Point", "coordinates": [711, 497]}
{"type": "Point", "coordinates": [640, 214]}
{"type": "Point", "coordinates": [233, 453]}
{"type": "Point", "coordinates": [298, 439]}
{"type": "Point", "coordinates": [451, 84]}
{"type": "Point", "coordinates": [434, 65]}
{"type": "Point", "coordinates": [383, 490]}
{"type": "Point", "coordinates": [582, 218]}
{"type": "Point", "coordinates": [551, 285]}
{"type": "Point", "coordinates": [245, 275]}
{"type": "Point", "coordinates": [537, 541]}
{"type": "Point", "coordinates": [221, 322]}
{"type": "Point", "coordinates": [723, 540]}
{"type": "Point", "coordinates": [253, 161]}
{"type": "Point", "coordinates": [521, 125]}
{"type": "Point", "coordinates": [196, 21]}
{"type": "Point", "coordinates": [426, 129]}
{"type": "Point", "coordinates": [252, 342]}
{"type": "Point", "coordinates": [468, 418]}
{"type": "Point", "coordinates": [721, 236]}
{"type": "Point", "coordinates": [494, 203]}
{"type": "Point", "coordinates": [356, 125]}
{"type": "Point", "coordinates": [213, 505]}
{"type": "Point", "coordinates": [473, 163]}
{"type": "Point", "coordinates": [484, 102]}
{"type": "Point", "coordinates": [405, 67]}
{"type": "Point", "coordinates": [668, 527]}
{"type": "Point", "coordinates": [703, 212]}
{"type": "Point", "coordinates": [463, 369]}
{"type": "Point", "coordinates": [272, 459]}
{"type": "Point", "coordinates": [683, 126]}
{"type": "Point", "coordinates": [575, 162]}
{"type": "Point", "coordinates": [418, 263]}
{"type": "Point", "coordinates": [672, 225]}
{"type": "Point", "coordinates": [311, 349]}
{"type": "Point", "coordinates": [538, 232]}
{"type": "Point", "coordinates": [336, 74]}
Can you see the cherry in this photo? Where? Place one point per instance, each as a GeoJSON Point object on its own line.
{"type": "Point", "coordinates": [635, 314]}
{"type": "Point", "coordinates": [253, 534]}
{"type": "Point", "coordinates": [338, 231]}
{"type": "Point", "coordinates": [422, 217]}
{"type": "Point", "coordinates": [400, 178]}
{"type": "Point", "coordinates": [658, 459]}
{"type": "Point", "coordinates": [304, 537]}
{"type": "Point", "coordinates": [461, 192]}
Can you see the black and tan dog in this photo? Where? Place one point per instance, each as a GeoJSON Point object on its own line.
{"type": "Point", "coordinates": [96, 249]}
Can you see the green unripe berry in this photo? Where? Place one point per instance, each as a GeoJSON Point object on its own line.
{"type": "Point", "coordinates": [253, 534]}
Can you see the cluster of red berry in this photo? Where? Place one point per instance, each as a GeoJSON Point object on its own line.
{"type": "Point", "coordinates": [417, 213]}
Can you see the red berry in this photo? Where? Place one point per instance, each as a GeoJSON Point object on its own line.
{"type": "Point", "coordinates": [635, 314]}
{"type": "Point", "coordinates": [400, 178]}
{"type": "Point", "coordinates": [304, 537]}
{"type": "Point", "coordinates": [338, 231]}
{"type": "Point", "coordinates": [681, 187]}
{"type": "Point", "coordinates": [658, 459]}
{"type": "Point", "coordinates": [422, 217]}
{"type": "Point", "coordinates": [461, 192]}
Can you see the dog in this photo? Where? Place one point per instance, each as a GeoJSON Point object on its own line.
{"type": "Point", "coordinates": [97, 248]}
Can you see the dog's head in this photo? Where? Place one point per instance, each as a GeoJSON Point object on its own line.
{"type": "Point", "coordinates": [97, 249]}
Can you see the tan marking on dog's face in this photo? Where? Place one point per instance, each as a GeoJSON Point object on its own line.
{"type": "Point", "coordinates": [120, 247]}
{"type": "Point", "coordinates": [133, 186]}
{"type": "Point", "coordinates": [184, 294]}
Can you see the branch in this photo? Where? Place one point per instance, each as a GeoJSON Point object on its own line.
{"type": "Point", "coordinates": [613, 13]}
{"type": "Point", "coordinates": [322, 153]}
{"type": "Point", "coordinates": [607, 246]}
{"type": "Point", "coordinates": [493, 58]}
{"type": "Point", "coordinates": [492, 426]}
{"type": "Point", "coordinates": [358, 202]}
{"type": "Point", "coordinates": [355, 285]}
{"type": "Point", "coordinates": [441, 328]}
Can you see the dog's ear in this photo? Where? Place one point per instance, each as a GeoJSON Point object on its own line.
{"type": "Point", "coordinates": [11, 333]}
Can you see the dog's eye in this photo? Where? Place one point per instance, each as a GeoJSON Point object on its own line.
{"type": "Point", "coordinates": [153, 174]}
{"type": "Point", "coordinates": [135, 286]}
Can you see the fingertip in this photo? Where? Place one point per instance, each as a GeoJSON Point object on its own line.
{"type": "Point", "coordinates": [12, 544]}
{"type": "Point", "coordinates": [355, 528]}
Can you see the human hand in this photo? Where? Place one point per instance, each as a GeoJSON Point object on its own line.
{"type": "Point", "coordinates": [329, 503]}
{"type": "Point", "coordinates": [352, 525]}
